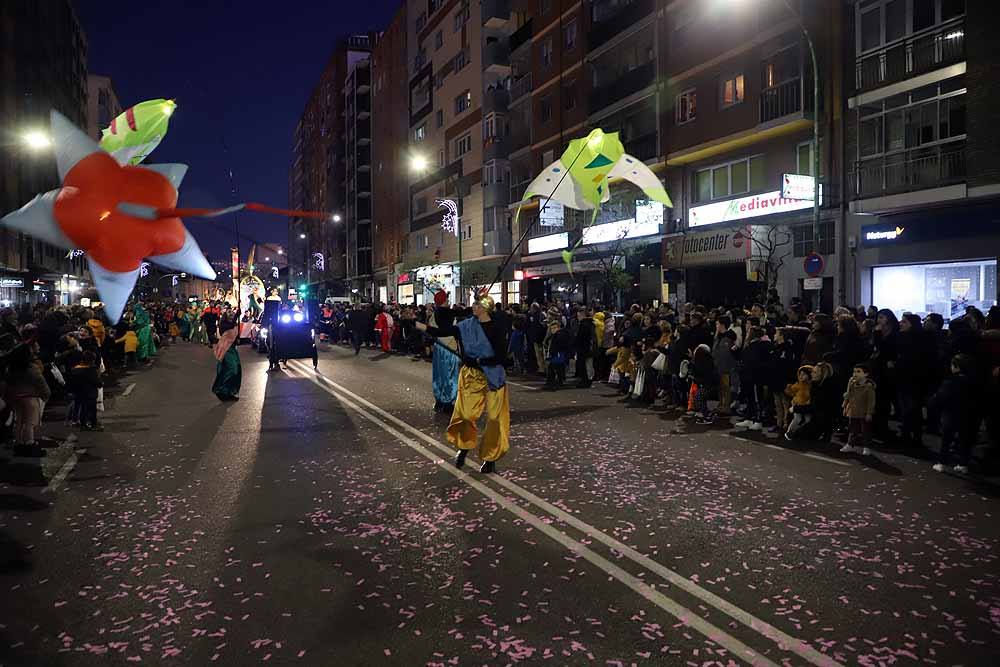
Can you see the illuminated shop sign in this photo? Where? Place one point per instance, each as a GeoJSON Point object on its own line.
{"type": "Point", "coordinates": [745, 207]}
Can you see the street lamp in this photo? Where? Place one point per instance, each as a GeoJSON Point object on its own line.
{"type": "Point", "coordinates": [36, 140]}
{"type": "Point", "coordinates": [336, 217]}
{"type": "Point", "coordinates": [419, 165]}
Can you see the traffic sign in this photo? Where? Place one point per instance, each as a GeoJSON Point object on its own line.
{"type": "Point", "coordinates": [813, 264]}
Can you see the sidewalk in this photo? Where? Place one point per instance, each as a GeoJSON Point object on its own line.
{"type": "Point", "coordinates": [61, 441]}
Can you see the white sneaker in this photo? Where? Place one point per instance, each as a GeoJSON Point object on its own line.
{"type": "Point", "coordinates": [756, 426]}
{"type": "Point", "coordinates": [846, 449]}
{"type": "Point", "coordinates": [961, 470]}
{"type": "Point", "coordinates": [746, 423]}
{"type": "Point", "coordinates": [866, 452]}
{"type": "Point", "coordinates": [939, 467]}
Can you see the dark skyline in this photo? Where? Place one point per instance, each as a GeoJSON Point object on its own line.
{"type": "Point", "coordinates": [241, 74]}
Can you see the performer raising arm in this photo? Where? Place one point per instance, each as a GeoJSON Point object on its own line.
{"type": "Point", "coordinates": [482, 384]}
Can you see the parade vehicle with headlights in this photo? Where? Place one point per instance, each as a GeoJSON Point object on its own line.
{"type": "Point", "coordinates": [291, 333]}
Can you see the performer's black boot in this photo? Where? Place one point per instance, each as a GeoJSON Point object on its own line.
{"type": "Point", "coordinates": [488, 467]}
{"type": "Point", "coordinates": [460, 457]}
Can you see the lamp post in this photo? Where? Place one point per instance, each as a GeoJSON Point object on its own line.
{"type": "Point", "coordinates": [815, 146]}
{"type": "Point", "coordinates": [419, 165]}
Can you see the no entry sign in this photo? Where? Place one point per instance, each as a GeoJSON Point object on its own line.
{"type": "Point", "coordinates": [813, 264]}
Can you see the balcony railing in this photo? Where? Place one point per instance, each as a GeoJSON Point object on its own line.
{"type": "Point", "coordinates": [914, 170]}
{"type": "Point", "coordinates": [520, 37]}
{"type": "Point", "coordinates": [605, 28]}
{"type": "Point", "coordinates": [622, 86]}
{"type": "Point", "coordinates": [781, 100]}
{"type": "Point", "coordinates": [643, 147]}
{"type": "Point", "coordinates": [496, 148]}
{"type": "Point", "coordinates": [495, 100]}
{"type": "Point", "coordinates": [495, 194]}
{"type": "Point", "coordinates": [916, 54]}
{"type": "Point", "coordinates": [520, 87]}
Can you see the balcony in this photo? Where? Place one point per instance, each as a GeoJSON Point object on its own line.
{"type": "Point", "coordinates": [496, 243]}
{"type": "Point", "coordinates": [605, 28]}
{"type": "Point", "coordinates": [496, 194]}
{"type": "Point", "coordinates": [496, 148]}
{"type": "Point", "coordinates": [496, 57]}
{"type": "Point", "coordinates": [622, 86]}
{"type": "Point", "coordinates": [918, 169]}
{"type": "Point", "coordinates": [520, 87]}
{"type": "Point", "coordinates": [780, 101]}
{"type": "Point", "coordinates": [520, 37]}
{"type": "Point", "coordinates": [495, 100]}
{"type": "Point", "coordinates": [643, 147]}
{"type": "Point", "coordinates": [913, 55]}
{"type": "Point", "coordinates": [496, 13]}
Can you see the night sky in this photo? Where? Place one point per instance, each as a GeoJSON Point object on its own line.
{"type": "Point", "coordinates": [241, 73]}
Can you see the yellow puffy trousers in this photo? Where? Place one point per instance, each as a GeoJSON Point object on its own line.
{"type": "Point", "coordinates": [473, 396]}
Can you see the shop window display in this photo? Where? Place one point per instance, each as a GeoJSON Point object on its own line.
{"type": "Point", "coordinates": [935, 288]}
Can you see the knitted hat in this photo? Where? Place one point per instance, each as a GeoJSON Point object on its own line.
{"type": "Point", "coordinates": [440, 297]}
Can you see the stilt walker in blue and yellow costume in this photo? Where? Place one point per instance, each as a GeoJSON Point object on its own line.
{"type": "Point", "coordinates": [482, 384]}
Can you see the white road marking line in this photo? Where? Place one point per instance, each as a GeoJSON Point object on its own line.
{"type": "Point", "coordinates": [690, 618]}
{"type": "Point", "coordinates": [524, 386]}
{"type": "Point", "coordinates": [827, 459]}
{"type": "Point", "coordinates": [784, 641]}
{"type": "Point", "coordinates": [66, 468]}
{"type": "Point", "coordinates": [128, 389]}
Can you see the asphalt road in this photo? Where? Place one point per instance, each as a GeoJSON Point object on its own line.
{"type": "Point", "coordinates": [319, 521]}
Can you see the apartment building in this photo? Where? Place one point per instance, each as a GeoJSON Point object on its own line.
{"type": "Point", "coordinates": [43, 66]}
{"type": "Point", "coordinates": [577, 66]}
{"type": "Point", "coordinates": [102, 104]}
{"type": "Point", "coordinates": [737, 118]}
{"type": "Point", "coordinates": [357, 215]}
{"type": "Point", "coordinates": [318, 178]}
{"type": "Point", "coordinates": [455, 52]}
{"type": "Point", "coordinates": [923, 154]}
{"type": "Point", "coordinates": [390, 155]}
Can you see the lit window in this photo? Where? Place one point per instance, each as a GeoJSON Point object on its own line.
{"type": "Point", "coordinates": [732, 91]}
{"type": "Point", "coordinates": [685, 108]}
{"type": "Point", "coordinates": [463, 102]}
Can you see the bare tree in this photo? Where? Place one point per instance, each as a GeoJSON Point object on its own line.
{"type": "Point", "coordinates": [771, 246]}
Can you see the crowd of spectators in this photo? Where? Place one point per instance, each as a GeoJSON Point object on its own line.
{"type": "Point", "coordinates": [861, 373]}
{"type": "Point", "coordinates": [61, 357]}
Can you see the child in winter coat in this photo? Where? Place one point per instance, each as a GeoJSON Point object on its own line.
{"type": "Point", "coordinates": [131, 342]}
{"type": "Point", "coordinates": [859, 407]}
{"type": "Point", "coordinates": [825, 398]}
{"type": "Point", "coordinates": [955, 401]}
{"type": "Point", "coordinates": [801, 395]}
{"type": "Point", "coordinates": [558, 355]}
{"type": "Point", "coordinates": [85, 379]}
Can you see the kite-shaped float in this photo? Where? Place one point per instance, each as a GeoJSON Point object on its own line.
{"type": "Point", "coordinates": [118, 215]}
{"type": "Point", "coordinates": [580, 178]}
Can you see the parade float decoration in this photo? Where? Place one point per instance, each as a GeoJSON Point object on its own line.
{"type": "Point", "coordinates": [138, 130]}
{"type": "Point", "coordinates": [118, 215]}
{"type": "Point", "coordinates": [590, 163]}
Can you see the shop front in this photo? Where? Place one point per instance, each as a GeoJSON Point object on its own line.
{"type": "Point", "coordinates": [934, 261]}
{"type": "Point", "coordinates": [14, 289]}
{"type": "Point", "coordinates": [711, 267]}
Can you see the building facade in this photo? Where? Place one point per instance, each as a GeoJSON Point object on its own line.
{"type": "Point", "coordinates": [102, 104]}
{"type": "Point", "coordinates": [390, 155]}
{"type": "Point", "coordinates": [43, 66]}
{"type": "Point", "coordinates": [738, 109]}
{"type": "Point", "coordinates": [318, 178]}
{"type": "Point", "coordinates": [923, 155]}
{"type": "Point", "coordinates": [357, 213]}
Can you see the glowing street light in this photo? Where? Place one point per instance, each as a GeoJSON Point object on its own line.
{"type": "Point", "coordinates": [302, 236]}
{"type": "Point", "coordinates": [418, 163]}
{"type": "Point", "coordinates": [336, 217]}
{"type": "Point", "coordinates": [36, 140]}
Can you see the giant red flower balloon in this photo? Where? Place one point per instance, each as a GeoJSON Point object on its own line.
{"type": "Point", "coordinates": [112, 213]}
